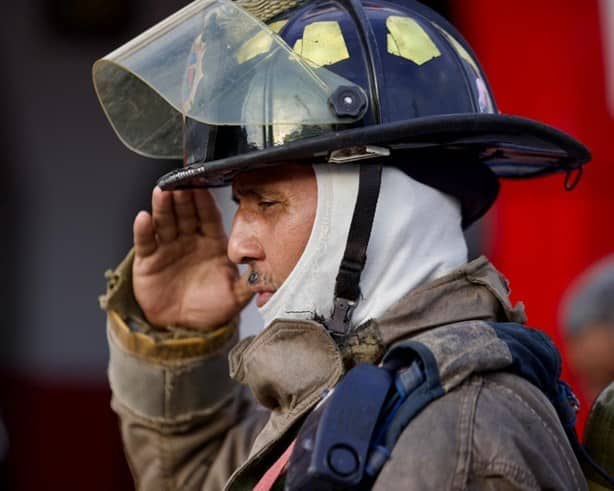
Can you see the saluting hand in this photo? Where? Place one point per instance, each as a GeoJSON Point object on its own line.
{"type": "Point", "coordinates": [181, 274]}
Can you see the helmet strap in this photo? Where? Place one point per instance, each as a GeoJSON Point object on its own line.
{"type": "Point", "coordinates": [347, 284]}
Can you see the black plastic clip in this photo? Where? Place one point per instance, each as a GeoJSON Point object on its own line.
{"type": "Point", "coordinates": [339, 324]}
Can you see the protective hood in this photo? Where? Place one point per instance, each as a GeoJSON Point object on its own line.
{"type": "Point", "coordinates": [416, 237]}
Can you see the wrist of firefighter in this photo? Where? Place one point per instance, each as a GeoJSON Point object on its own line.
{"type": "Point", "coordinates": [135, 334]}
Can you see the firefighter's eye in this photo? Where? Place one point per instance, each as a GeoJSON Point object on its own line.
{"type": "Point", "coordinates": [265, 204]}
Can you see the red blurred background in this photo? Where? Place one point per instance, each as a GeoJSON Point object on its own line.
{"type": "Point", "coordinates": [549, 60]}
{"type": "Point", "coordinates": [70, 191]}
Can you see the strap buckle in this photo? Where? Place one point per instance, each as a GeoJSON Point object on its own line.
{"type": "Point", "coordinates": [339, 324]}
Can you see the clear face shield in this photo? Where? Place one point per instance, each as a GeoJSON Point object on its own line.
{"type": "Point", "coordinates": [218, 64]}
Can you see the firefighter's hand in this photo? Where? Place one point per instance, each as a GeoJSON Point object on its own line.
{"type": "Point", "coordinates": [181, 274]}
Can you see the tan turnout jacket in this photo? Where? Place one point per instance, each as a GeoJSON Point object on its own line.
{"type": "Point", "coordinates": [189, 423]}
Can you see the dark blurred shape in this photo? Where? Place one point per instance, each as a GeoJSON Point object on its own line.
{"type": "Point", "coordinates": [62, 436]}
{"type": "Point", "coordinates": [4, 450]}
{"type": "Point", "coordinates": [599, 438]}
{"type": "Point", "coordinates": [89, 18]}
{"type": "Point", "coordinates": [588, 320]}
{"type": "Point", "coordinates": [8, 251]}
{"type": "Point", "coordinates": [68, 195]}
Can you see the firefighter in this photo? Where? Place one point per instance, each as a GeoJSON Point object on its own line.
{"type": "Point", "coordinates": [360, 139]}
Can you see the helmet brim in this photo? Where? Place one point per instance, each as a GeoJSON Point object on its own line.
{"type": "Point", "coordinates": [426, 148]}
{"type": "Point", "coordinates": [511, 146]}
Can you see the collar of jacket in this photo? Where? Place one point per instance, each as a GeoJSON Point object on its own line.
{"type": "Point", "coordinates": [475, 291]}
{"type": "Point", "coordinates": [292, 363]}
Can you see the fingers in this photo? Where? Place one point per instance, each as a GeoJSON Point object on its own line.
{"type": "Point", "coordinates": [242, 292]}
{"type": "Point", "coordinates": [185, 212]}
{"type": "Point", "coordinates": [208, 214]}
{"type": "Point", "coordinates": [144, 236]}
{"type": "Point", "coordinates": [163, 215]}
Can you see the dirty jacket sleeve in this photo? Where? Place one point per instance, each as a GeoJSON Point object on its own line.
{"type": "Point", "coordinates": [184, 423]}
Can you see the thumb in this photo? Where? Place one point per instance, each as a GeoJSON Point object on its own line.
{"type": "Point", "coordinates": [242, 292]}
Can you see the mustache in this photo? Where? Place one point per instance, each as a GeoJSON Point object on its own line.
{"type": "Point", "coordinates": [256, 278]}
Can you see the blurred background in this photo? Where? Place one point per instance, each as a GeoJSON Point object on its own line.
{"type": "Point", "coordinates": [69, 192]}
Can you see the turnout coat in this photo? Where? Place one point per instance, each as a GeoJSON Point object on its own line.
{"type": "Point", "coordinates": [199, 411]}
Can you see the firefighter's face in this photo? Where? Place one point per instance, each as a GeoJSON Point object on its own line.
{"type": "Point", "coordinates": [272, 224]}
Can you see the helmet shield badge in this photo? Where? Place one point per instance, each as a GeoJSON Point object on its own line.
{"type": "Point", "coordinates": [215, 63]}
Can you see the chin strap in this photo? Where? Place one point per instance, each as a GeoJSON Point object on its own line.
{"type": "Point", "coordinates": [347, 289]}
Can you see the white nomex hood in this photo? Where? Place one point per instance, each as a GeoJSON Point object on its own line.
{"type": "Point", "coordinates": [416, 237]}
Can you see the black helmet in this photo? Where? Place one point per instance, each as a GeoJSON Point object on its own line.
{"type": "Point", "coordinates": [234, 86]}
{"type": "Point", "coordinates": [231, 86]}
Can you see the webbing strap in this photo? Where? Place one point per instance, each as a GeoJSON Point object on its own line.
{"type": "Point", "coordinates": [270, 477]}
{"type": "Point", "coordinates": [347, 290]}
{"type": "Point", "coordinates": [355, 254]}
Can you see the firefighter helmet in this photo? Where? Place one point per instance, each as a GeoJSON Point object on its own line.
{"type": "Point", "coordinates": [230, 86]}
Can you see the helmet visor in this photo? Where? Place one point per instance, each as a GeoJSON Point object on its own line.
{"type": "Point", "coordinates": [216, 63]}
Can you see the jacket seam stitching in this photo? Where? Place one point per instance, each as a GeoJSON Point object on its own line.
{"type": "Point", "coordinates": [508, 471]}
{"type": "Point", "coordinates": [465, 434]}
{"type": "Point", "coordinates": [554, 438]}
{"type": "Point", "coordinates": [161, 451]}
